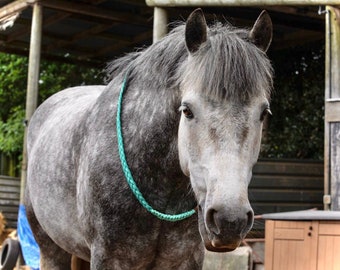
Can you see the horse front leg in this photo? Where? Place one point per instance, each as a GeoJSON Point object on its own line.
{"type": "Point", "coordinates": [52, 257]}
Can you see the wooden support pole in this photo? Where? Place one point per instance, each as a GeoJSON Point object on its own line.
{"type": "Point", "coordinates": [332, 105]}
{"type": "Point", "coordinates": [32, 83]}
{"type": "Point", "coordinates": [160, 23]}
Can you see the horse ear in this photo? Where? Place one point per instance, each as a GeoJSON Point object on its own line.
{"type": "Point", "coordinates": [195, 30]}
{"type": "Point", "coordinates": [262, 31]}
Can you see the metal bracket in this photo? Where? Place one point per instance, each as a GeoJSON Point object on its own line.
{"type": "Point", "coordinates": [327, 199]}
{"type": "Point", "coordinates": [322, 11]}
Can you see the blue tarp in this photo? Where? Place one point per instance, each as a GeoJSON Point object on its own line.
{"type": "Point", "coordinates": [29, 247]}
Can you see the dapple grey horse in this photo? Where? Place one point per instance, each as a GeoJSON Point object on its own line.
{"type": "Point", "coordinates": [191, 121]}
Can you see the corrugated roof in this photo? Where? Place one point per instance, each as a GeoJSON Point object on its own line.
{"type": "Point", "coordinates": [96, 31]}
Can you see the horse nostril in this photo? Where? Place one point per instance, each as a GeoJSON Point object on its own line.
{"type": "Point", "coordinates": [250, 220]}
{"type": "Point", "coordinates": [211, 221]}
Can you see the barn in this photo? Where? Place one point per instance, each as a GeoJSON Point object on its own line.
{"type": "Point", "coordinates": [92, 32]}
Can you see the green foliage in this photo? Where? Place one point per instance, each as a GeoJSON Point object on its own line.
{"type": "Point", "coordinates": [296, 129]}
{"type": "Point", "coordinates": [13, 80]}
{"type": "Point", "coordinates": [54, 76]}
{"type": "Point", "coordinates": [12, 132]}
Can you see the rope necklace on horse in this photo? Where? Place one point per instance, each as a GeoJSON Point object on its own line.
{"type": "Point", "coordinates": [126, 169]}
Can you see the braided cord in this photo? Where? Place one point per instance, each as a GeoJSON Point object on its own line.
{"type": "Point", "coordinates": [126, 169]}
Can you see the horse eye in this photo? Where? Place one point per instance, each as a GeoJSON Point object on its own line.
{"type": "Point", "coordinates": [187, 113]}
{"type": "Point", "coordinates": [265, 112]}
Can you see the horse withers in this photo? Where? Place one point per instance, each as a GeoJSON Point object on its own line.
{"type": "Point", "coordinates": [177, 127]}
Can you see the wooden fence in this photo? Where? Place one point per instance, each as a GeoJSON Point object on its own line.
{"type": "Point", "coordinates": [285, 185]}
{"type": "Point", "coordinates": [9, 199]}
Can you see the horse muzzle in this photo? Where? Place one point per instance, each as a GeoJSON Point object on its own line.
{"type": "Point", "coordinates": [223, 230]}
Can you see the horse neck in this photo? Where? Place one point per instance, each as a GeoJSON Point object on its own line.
{"type": "Point", "coordinates": [150, 121]}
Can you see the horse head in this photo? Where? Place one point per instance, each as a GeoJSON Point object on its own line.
{"type": "Point", "coordinates": [225, 91]}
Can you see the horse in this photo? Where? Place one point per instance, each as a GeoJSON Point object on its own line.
{"type": "Point", "coordinates": [183, 118]}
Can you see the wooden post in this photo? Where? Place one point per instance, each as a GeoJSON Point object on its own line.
{"type": "Point", "coordinates": [332, 110]}
{"type": "Point", "coordinates": [32, 83]}
{"type": "Point", "coordinates": [160, 23]}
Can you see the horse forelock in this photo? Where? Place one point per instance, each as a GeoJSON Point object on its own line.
{"type": "Point", "coordinates": [228, 66]}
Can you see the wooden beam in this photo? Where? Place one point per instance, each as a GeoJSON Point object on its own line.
{"type": "Point", "coordinates": [12, 8]}
{"type": "Point", "coordinates": [24, 30]}
{"type": "Point", "coordinates": [80, 35]}
{"type": "Point", "coordinates": [160, 23]}
{"type": "Point", "coordinates": [121, 45]}
{"type": "Point", "coordinates": [332, 108]}
{"type": "Point", "coordinates": [96, 12]}
{"type": "Point", "coordinates": [32, 84]}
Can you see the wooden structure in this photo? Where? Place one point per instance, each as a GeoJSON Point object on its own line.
{"type": "Point", "coordinates": [285, 185]}
{"type": "Point", "coordinates": [9, 199]}
{"type": "Point", "coordinates": [302, 240]}
{"type": "Point", "coordinates": [332, 110]}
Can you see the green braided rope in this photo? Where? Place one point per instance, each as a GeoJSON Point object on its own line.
{"type": "Point", "coordinates": [127, 172]}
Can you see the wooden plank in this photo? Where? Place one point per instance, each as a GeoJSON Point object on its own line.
{"type": "Point", "coordinates": [10, 196]}
{"type": "Point", "coordinates": [14, 7]}
{"type": "Point", "coordinates": [332, 111]}
{"type": "Point", "coordinates": [291, 195]}
{"type": "Point", "coordinates": [335, 164]}
{"type": "Point", "coordinates": [332, 91]}
{"type": "Point", "coordinates": [292, 224]}
{"type": "Point", "coordinates": [289, 234]}
{"type": "Point", "coordinates": [10, 182]}
{"type": "Point", "coordinates": [328, 253]}
{"type": "Point", "coordinates": [9, 189]}
{"type": "Point", "coordinates": [274, 181]}
{"type": "Point", "coordinates": [78, 36]}
{"type": "Point", "coordinates": [7, 202]}
{"type": "Point", "coordinates": [5, 177]}
{"type": "Point", "coordinates": [93, 11]}
{"type": "Point", "coordinates": [311, 257]}
{"type": "Point", "coordinates": [289, 168]}
{"type": "Point", "coordinates": [269, 244]}
{"type": "Point", "coordinates": [329, 228]}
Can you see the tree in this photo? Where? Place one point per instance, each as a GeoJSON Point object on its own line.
{"type": "Point", "coordinates": [54, 76]}
{"type": "Point", "coordinates": [296, 129]}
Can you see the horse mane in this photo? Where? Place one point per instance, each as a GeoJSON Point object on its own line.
{"type": "Point", "coordinates": [158, 63]}
{"type": "Point", "coordinates": [227, 66]}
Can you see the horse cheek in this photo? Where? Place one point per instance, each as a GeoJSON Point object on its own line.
{"type": "Point", "coordinates": [182, 150]}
